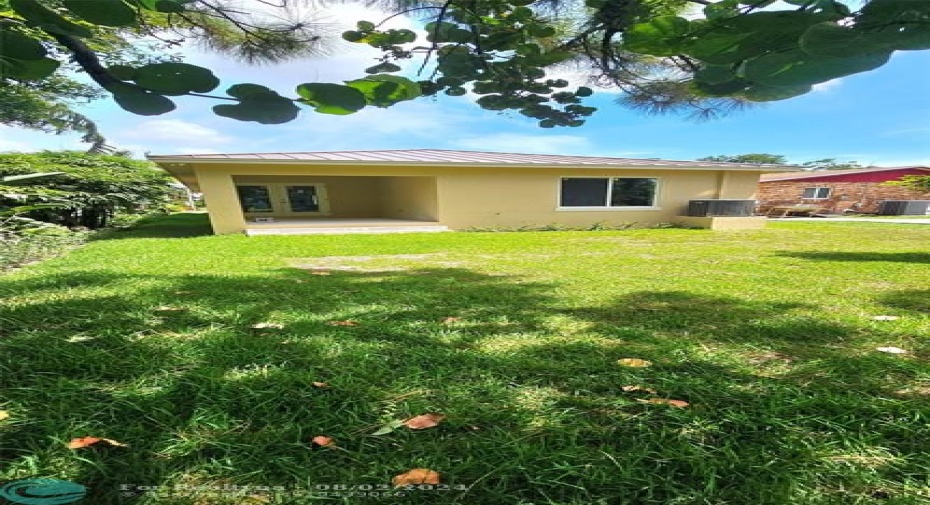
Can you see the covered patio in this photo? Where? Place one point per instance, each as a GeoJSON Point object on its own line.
{"type": "Point", "coordinates": [285, 200]}
{"type": "Point", "coordinates": [324, 225]}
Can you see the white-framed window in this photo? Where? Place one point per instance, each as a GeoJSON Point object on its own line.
{"type": "Point", "coordinates": [816, 193]}
{"type": "Point", "coordinates": [608, 192]}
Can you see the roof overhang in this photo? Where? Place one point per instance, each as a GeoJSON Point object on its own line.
{"type": "Point", "coordinates": [819, 174]}
{"type": "Point", "coordinates": [168, 161]}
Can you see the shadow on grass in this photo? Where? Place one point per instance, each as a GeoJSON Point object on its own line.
{"type": "Point", "coordinates": [534, 409]}
{"type": "Point", "coordinates": [181, 225]}
{"type": "Point", "coordinates": [910, 299]}
{"type": "Point", "coordinates": [903, 257]}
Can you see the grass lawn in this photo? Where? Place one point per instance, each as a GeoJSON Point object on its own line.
{"type": "Point", "coordinates": [146, 338]}
{"type": "Point", "coordinates": [926, 216]}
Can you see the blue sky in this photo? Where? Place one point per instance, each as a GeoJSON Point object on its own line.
{"type": "Point", "coordinates": [880, 118]}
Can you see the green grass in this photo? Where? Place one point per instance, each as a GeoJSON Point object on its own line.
{"type": "Point", "coordinates": [769, 335]}
{"type": "Point", "coordinates": [866, 216]}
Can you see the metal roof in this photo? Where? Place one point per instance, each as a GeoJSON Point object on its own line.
{"type": "Point", "coordinates": [447, 157]}
{"type": "Point", "coordinates": [829, 173]}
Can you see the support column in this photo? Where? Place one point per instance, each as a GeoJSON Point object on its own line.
{"type": "Point", "coordinates": [219, 193]}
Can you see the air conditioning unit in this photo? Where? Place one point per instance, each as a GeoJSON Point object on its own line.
{"type": "Point", "coordinates": [714, 208]}
{"type": "Point", "coordinates": [903, 207]}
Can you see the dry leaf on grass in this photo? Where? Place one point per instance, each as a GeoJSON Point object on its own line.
{"type": "Point", "coordinates": [630, 389]}
{"type": "Point", "coordinates": [267, 326]}
{"type": "Point", "coordinates": [885, 318]}
{"type": "Point", "coordinates": [347, 322]}
{"type": "Point", "coordinates": [634, 362]}
{"type": "Point", "coordinates": [665, 401]}
{"type": "Point", "coordinates": [4, 415]}
{"type": "Point", "coordinates": [82, 442]}
{"type": "Point", "coordinates": [891, 350]}
{"type": "Point", "coordinates": [424, 421]}
{"type": "Point", "coordinates": [321, 385]}
{"type": "Point", "coordinates": [416, 476]}
{"type": "Point", "coordinates": [321, 441]}
{"type": "Point", "coordinates": [450, 320]}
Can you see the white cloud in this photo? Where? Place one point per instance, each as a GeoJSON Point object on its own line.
{"type": "Point", "coordinates": [177, 130]}
{"type": "Point", "coordinates": [197, 150]}
{"type": "Point", "coordinates": [827, 86]}
{"type": "Point", "coordinates": [891, 161]}
{"type": "Point", "coordinates": [407, 125]}
{"type": "Point", "coordinates": [24, 140]}
{"type": "Point", "coordinates": [13, 145]}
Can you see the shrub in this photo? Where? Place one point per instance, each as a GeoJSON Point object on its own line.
{"type": "Point", "coordinates": [36, 244]}
{"type": "Point", "coordinates": [89, 189]}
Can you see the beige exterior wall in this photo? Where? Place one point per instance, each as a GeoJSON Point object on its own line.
{"type": "Point", "coordinates": [487, 198]}
{"type": "Point", "coordinates": [738, 185]}
{"type": "Point", "coordinates": [463, 197]}
{"type": "Point", "coordinates": [409, 198]}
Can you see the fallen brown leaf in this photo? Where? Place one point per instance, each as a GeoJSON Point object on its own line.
{"type": "Point", "coordinates": [347, 322]}
{"type": "Point", "coordinates": [634, 362]}
{"type": "Point", "coordinates": [82, 442]}
{"type": "Point", "coordinates": [665, 401]}
{"type": "Point", "coordinates": [416, 476]}
{"type": "Point", "coordinates": [450, 320]}
{"type": "Point", "coordinates": [424, 421]}
{"type": "Point", "coordinates": [321, 385]}
{"type": "Point", "coordinates": [630, 389]}
{"type": "Point", "coordinates": [321, 441]}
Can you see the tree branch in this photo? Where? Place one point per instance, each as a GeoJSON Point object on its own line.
{"type": "Point", "coordinates": [87, 59]}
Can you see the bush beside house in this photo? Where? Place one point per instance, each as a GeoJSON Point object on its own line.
{"type": "Point", "coordinates": [43, 215]}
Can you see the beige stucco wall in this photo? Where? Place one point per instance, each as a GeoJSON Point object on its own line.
{"type": "Point", "coordinates": [463, 197]}
{"type": "Point", "coordinates": [409, 198]}
{"type": "Point", "coordinates": [494, 197]}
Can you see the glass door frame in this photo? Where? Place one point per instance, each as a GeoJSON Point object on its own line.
{"type": "Point", "coordinates": [280, 201]}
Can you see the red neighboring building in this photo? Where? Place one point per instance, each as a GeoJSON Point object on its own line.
{"type": "Point", "coordinates": [858, 189]}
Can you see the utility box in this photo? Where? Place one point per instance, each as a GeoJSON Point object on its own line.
{"type": "Point", "coordinates": [715, 208]}
{"type": "Point", "coordinates": [903, 207]}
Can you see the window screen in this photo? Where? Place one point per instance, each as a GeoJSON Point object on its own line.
{"type": "Point", "coordinates": [584, 192]}
{"type": "Point", "coordinates": [633, 192]}
{"type": "Point", "coordinates": [816, 193]}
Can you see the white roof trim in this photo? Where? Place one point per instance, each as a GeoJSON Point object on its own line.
{"type": "Point", "coordinates": [658, 165]}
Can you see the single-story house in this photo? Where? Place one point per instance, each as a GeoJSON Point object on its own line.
{"type": "Point", "coordinates": [432, 190]}
{"type": "Point", "coordinates": [860, 190]}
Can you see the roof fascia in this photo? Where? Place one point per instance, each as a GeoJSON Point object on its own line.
{"type": "Point", "coordinates": [217, 161]}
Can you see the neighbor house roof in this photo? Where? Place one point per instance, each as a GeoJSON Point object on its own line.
{"type": "Point", "coordinates": [462, 158]}
{"type": "Point", "coordinates": [826, 174]}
